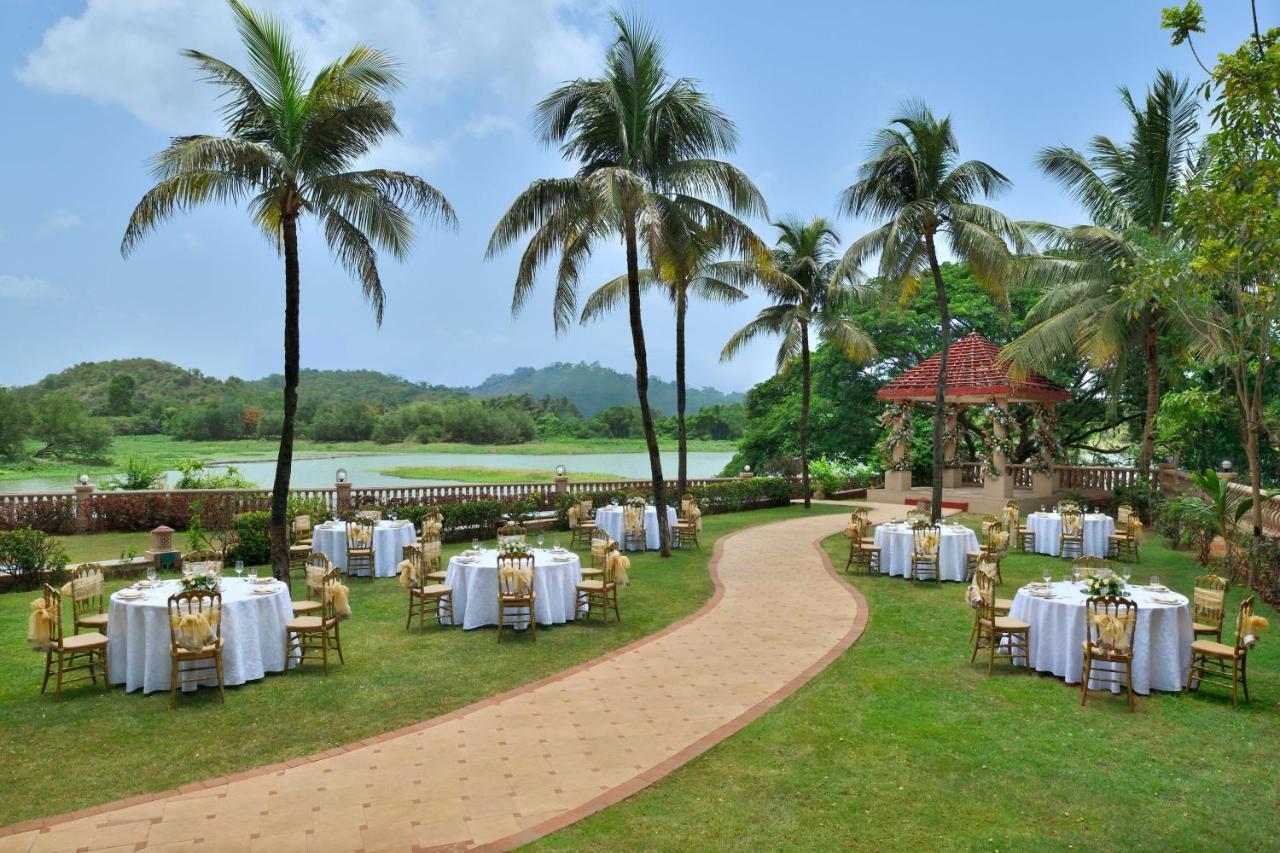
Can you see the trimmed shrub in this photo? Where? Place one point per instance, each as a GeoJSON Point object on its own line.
{"type": "Point", "coordinates": [31, 557]}
{"type": "Point", "coordinates": [252, 537]}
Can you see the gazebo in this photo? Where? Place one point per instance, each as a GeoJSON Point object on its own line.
{"type": "Point", "coordinates": [975, 377]}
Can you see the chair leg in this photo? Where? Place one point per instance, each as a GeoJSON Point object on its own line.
{"type": "Point", "coordinates": [1244, 677]}
{"type": "Point", "coordinates": [173, 682]}
{"type": "Point", "coordinates": [324, 651]}
{"type": "Point", "coordinates": [1128, 684]}
{"type": "Point", "coordinates": [1235, 681]}
{"type": "Point", "coordinates": [48, 669]}
{"type": "Point", "coordinates": [991, 662]}
{"type": "Point", "coordinates": [222, 694]}
{"type": "Point", "coordinates": [1086, 669]}
{"type": "Point", "coordinates": [106, 683]}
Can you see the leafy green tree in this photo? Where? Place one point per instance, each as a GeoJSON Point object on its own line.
{"type": "Point", "coordinates": [808, 297]}
{"type": "Point", "coordinates": [15, 424]}
{"type": "Point", "coordinates": [67, 430]}
{"type": "Point", "coordinates": [120, 394]}
{"type": "Point", "coordinates": [617, 422]}
{"type": "Point", "coordinates": [289, 148]}
{"type": "Point", "coordinates": [642, 140]}
{"type": "Point", "coordinates": [1108, 298]}
{"type": "Point", "coordinates": [914, 183]}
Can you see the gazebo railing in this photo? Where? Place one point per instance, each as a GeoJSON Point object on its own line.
{"type": "Point", "coordinates": [1084, 479]}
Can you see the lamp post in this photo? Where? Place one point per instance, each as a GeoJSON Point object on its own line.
{"type": "Point", "coordinates": [562, 480]}
{"type": "Point", "coordinates": [746, 473]}
{"type": "Point", "coordinates": [84, 493]}
{"type": "Point", "coordinates": [344, 490]}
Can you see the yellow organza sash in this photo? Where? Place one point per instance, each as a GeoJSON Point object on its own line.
{"type": "Point", "coordinates": [193, 630]}
{"type": "Point", "coordinates": [1208, 601]}
{"type": "Point", "coordinates": [1072, 525]}
{"type": "Point", "coordinates": [360, 537]}
{"type": "Point", "coordinates": [431, 528]}
{"type": "Point", "coordinates": [1113, 632]}
{"type": "Point", "coordinates": [999, 539]}
{"type": "Point", "coordinates": [575, 516]}
{"type": "Point", "coordinates": [40, 626]}
{"type": "Point", "coordinates": [620, 565]}
{"type": "Point", "coordinates": [430, 549]}
{"type": "Point", "coordinates": [853, 530]}
{"type": "Point", "coordinates": [521, 576]}
{"type": "Point", "coordinates": [633, 519]}
{"type": "Point", "coordinates": [1250, 627]}
{"type": "Point", "coordinates": [341, 598]}
{"type": "Point", "coordinates": [408, 573]}
{"type": "Point", "coordinates": [84, 585]}
{"type": "Point", "coordinates": [315, 577]}
{"type": "Point", "coordinates": [1011, 517]}
{"type": "Point", "coordinates": [927, 544]}
{"type": "Point", "coordinates": [695, 515]}
{"type": "Point", "coordinates": [599, 547]}
{"type": "Point", "coordinates": [973, 595]}
{"type": "Point", "coordinates": [1135, 528]}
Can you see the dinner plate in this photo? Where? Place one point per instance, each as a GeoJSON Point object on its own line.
{"type": "Point", "coordinates": [560, 559]}
{"type": "Point", "coordinates": [263, 590]}
{"type": "Point", "coordinates": [1167, 599]}
{"type": "Point", "coordinates": [131, 594]}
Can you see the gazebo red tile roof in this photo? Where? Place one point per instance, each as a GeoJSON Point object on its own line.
{"type": "Point", "coordinates": [974, 374]}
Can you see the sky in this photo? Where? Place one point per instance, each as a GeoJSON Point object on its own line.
{"type": "Point", "coordinates": [94, 89]}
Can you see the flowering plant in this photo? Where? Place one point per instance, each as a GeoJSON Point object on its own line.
{"type": "Point", "coordinates": [207, 581]}
{"type": "Point", "coordinates": [1105, 585]}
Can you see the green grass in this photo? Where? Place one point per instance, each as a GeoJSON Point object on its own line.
{"type": "Point", "coordinates": [116, 745]}
{"type": "Point", "coordinates": [109, 546]}
{"type": "Point", "coordinates": [902, 743]}
{"type": "Point", "coordinates": [477, 474]}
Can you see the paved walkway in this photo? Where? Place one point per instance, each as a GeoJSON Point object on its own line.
{"type": "Point", "coordinates": [517, 766]}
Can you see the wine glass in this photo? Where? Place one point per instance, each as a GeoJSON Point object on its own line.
{"type": "Point", "coordinates": [542, 539]}
{"type": "Point", "coordinates": [152, 575]}
{"type": "Point", "coordinates": [392, 515]}
{"type": "Point", "coordinates": [239, 568]}
{"type": "Point", "coordinates": [555, 544]}
{"type": "Point", "coordinates": [475, 545]}
{"type": "Point", "coordinates": [1042, 508]}
{"type": "Point", "coordinates": [1125, 575]}
{"type": "Point", "coordinates": [1047, 575]}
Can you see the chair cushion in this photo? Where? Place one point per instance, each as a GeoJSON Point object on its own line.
{"type": "Point", "coordinates": [93, 620]}
{"type": "Point", "coordinates": [305, 606]}
{"type": "Point", "coordinates": [300, 549]}
{"type": "Point", "coordinates": [359, 552]}
{"type": "Point", "coordinates": [1212, 649]}
{"type": "Point", "coordinates": [80, 642]}
{"type": "Point", "coordinates": [304, 623]}
{"type": "Point", "coordinates": [1008, 623]}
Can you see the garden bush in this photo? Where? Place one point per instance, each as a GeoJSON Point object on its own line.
{"type": "Point", "coordinates": [31, 557]}
{"type": "Point", "coordinates": [56, 514]}
{"type": "Point", "coordinates": [252, 538]}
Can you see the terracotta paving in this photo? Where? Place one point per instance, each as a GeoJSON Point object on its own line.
{"type": "Point", "coordinates": [520, 765]}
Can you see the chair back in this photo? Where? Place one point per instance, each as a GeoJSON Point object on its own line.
{"type": "Point", "coordinates": [374, 515]}
{"type": "Point", "coordinates": [1208, 601]}
{"type": "Point", "coordinates": [1123, 513]}
{"type": "Point", "coordinates": [360, 534]}
{"type": "Point", "coordinates": [512, 533]}
{"type": "Point", "coordinates": [318, 565]}
{"type": "Point", "coordinates": [586, 508]}
{"type": "Point", "coordinates": [1072, 524]}
{"type": "Point", "coordinates": [1246, 627]}
{"type": "Point", "coordinates": [600, 542]}
{"type": "Point", "coordinates": [199, 562]}
{"type": "Point", "coordinates": [301, 527]}
{"type": "Point", "coordinates": [1110, 622]}
{"type": "Point", "coordinates": [88, 594]}
{"type": "Point", "coordinates": [688, 504]}
{"type": "Point", "coordinates": [608, 567]}
{"type": "Point", "coordinates": [633, 518]}
{"type": "Point", "coordinates": [1092, 566]}
{"type": "Point", "coordinates": [986, 584]}
{"type": "Point", "coordinates": [861, 513]}
{"type": "Point", "coordinates": [995, 539]}
{"type": "Point", "coordinates": [431, 550]}
{"type": "Point", "coordinates": [195, 619]}
{"type": "Point", "coordinates": [432, 523]}
{"type": "Point", "coordinates": [515, 574]}
{"type": "Point", "coordinates": [926, 538]}
{"type": "Point", "coordinates": [53, 606]}
{"type": "Point", "coordinates": [1012, 516]}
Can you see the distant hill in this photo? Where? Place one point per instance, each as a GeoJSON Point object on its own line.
{"type": "Point", "coordinates": [365, 386]}
{"type": "Point", "coordinates": [153, 380]}
{"type": "Point", "coordinates": [592, 388]}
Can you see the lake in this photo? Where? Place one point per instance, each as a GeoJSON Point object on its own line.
{"type": "Point", "coordinates": [362, 469]}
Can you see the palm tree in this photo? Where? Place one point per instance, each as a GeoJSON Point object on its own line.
{"type": "Point", "coordinates": [288, 150]}
{"type": "Point", "coordinates": [1098, 301]}
{"type": "Point", "coordinates": [913, 181]}
{"type": "Point", "coordinates": [808, 296]}
{"type": "Point", "coordinates": [644, 143]}
{"type": "Point", "coordinates": [690, 267]}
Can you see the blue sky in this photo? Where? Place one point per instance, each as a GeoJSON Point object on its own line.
{"type": "Point", "coordinates": [97, 88]}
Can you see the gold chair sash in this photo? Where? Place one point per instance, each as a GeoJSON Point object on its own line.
{"type": "Point", "coordinates": [1135, 528]}
{"type": "Point", "coordinates": [407, 573]}
{"type": "Point", "coordinates": [620, 565]}
{"type": "Point", "coordinates": [431, 549]}
{"type": "Point", "coordinates": [1011, 517]}
{"type": "Point", "coordinates": [84, 585]}
{"type": "Point", "coordinates": [695, 514]}
{"type": "Point", "coordinates": [575, 516]}
{"type": "Point", "coordinates": [1072, 525]}
{"type": "Point", "coordinates": [40, 626]}
{"type": "Point", "coordinates": [599, 547]}
{"type": "Point", "coordinates": [633, 519]}
{"type": "Point", "coordinates": [193, 630]}
{"type": "Point", "coordinates": [341, 598]}
{"type": "Point", "coordinates": [999, 539]}
{"type": "Point", "coordinates": [1208, 599]}
{"type": "Point", "coordinates": [853, 530]}
{"type": "Point", "coordinates": [929, 543]}
{"type": "Point", "coordinates": [1112, 631]}
{"type": "Point", "coordinates": [522, 575]}
{"type": "Point", "coordinates": [973, 595]}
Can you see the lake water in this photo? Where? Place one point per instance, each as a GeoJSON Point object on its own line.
{"type": "Point", "coordinates": [363, 470]}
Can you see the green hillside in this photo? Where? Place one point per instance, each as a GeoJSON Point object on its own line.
{"type": "Point", "coordinates": [592, 388]}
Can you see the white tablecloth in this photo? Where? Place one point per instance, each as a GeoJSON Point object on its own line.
{"type": "Point", "coordinates": [609, 518]}
{"type": "Point", "coordinates": [1161, 643]}
{"type": "Point", "coordinates": [252, 634]}
{"type": "Point", "coordinates": [896, 543]}
{"type": "Point", "coordinates": [1048, 527]}
{"type": "Point", "coordinates": [389, 539]}
{"type": "Point", "coordinates": [475, 588]}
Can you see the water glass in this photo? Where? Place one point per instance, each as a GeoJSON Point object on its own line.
{"type": "Point", "coordinates": [542, 539]}
{"type": "Point", "coordinates": [1126, 575]}
{"type": "Point", "coordinates": [556, 543]}
{"type": "Point", "coordinates": [475, 545]}
{"type": "Point", "coordinates": [1155, 581]}
{"type": "Point", "coordinates": [1048, 575]}
{"type": "Point", "coordinates": [1042, 507]}
{"type": "Point", "coordinates": [253, 577]}
{"type": "Point", "coordinates": [239, 568]}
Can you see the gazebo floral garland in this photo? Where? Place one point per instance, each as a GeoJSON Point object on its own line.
{"type": "Point", "coordinates": [1005, 445]}
{"type": "Point", "coordinates": [1046, 436]}
{"type": "Point", "coordinates": [951, 435]}
{"type": "Point", "coordinates": [897, 419]}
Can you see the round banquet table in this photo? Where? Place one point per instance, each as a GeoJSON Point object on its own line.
{"type": "Point", "coordinates": [1161, 641]}
{"type": "Point", "coordinates": [475, 587]}
{"type": "Point", "coordinates": [389, 539]}
{"type": "Point", "coordinates": [252, 635]}
{"type": "Point", "coordinates": [1047, 527]}
{"type": "Point", "coordinates": [609, 519]}
{"type": "Point", "coordinates": [897, 542]}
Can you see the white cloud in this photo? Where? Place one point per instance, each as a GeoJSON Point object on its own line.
{"type": "Point", "coordinates": [62, 219]}
{"type": "Point", "coordinates": [19, 288]}
{"type": "Point", "coordinates": [126, 52]}
{"type": "Point", "coordinates": [486, 125]}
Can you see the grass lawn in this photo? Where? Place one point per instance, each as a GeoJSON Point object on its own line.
{"type": "Point", "coordinates": [117, 745]}
{"type": "Point", "coordinates": [478, 474]}
{"type": "Point", "coordinates": [902, 743]}
{"type": "Point", "coordinates": [111, 546]}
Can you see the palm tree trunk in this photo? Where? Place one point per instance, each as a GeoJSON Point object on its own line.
{"type": "Point", "coordinates": [642, 387]}
{"type": "Point", "coordinates": [1147, 449]}
{"type": "Point", "coordinates": [682, 475]}
{"type": "Point", "coordinates": [804, 413]}
{"type": "Point", "coordinates": [284, 460]}
{"type": "Point", "coordinates": [940, 393]}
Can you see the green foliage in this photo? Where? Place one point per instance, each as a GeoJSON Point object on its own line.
{"type": "Point", "coordinates": [195, 475]}
{"type": "Point", "coordinates": [67, 431]}
{"type": "Point", "coordinates": [15, 424]}
{"type": "Point", "coordinates": [831, 474]}
{"type": "Point", "coordinates": [1142, 497]}
{"type": "Point", "coordinates": [1183, 21]}
{"type": "Point", "coordinates": [31, 557]}
{"type": "Point", "coordinates": [252, 538]}
{"type": "Point", "coordinates": [120, 394]}
{"type": "Point", "coordinates": [1200, 427]}
{"type": "Point", "coordinates": [139, 473]}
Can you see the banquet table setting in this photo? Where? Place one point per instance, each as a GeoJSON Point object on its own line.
{"type": "Point", "coordinates": [1162, 636]}
{"type": "Point", "coordinates": [896, 542]}
{"type": "Point", "coordinates": [1047, 527]}
{"type": "Point", "coordinates": [253, 618]}
{"type": "Point", "coordinates": [473, 575]}
{"type": "Point", "coordinates": [611, 520]}
{"type": "Point", "coordinates": [389, 539]}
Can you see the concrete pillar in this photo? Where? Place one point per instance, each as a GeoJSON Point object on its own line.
{"type": "Point", "coordinates": [951, 476]}
{"type": "Point", "coordinates": [344, 495]}
{"type": "Point", "coordinates": [998, 487]}
{"type": "Point", "coordinates": [562, 485]}
{"type": "Point", "coordinates": [900, 481]}
{"type": "Point", "coordinates": [83, 515]}
{"type": "Point", "coordinates": [1043, 484]}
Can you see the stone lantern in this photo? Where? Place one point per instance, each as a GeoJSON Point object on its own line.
{"type": "Point", "coordinates": [162, 553]}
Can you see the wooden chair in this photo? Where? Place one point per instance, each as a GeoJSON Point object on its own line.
{"type": "Point", "coordinates": [1123, 544]}
{"type": "Point", "coordinates": [1219, 663]}
{"type": "Point", "coordinates": [585, 526]}
{"type": "Point", "coordinates": [88, 598]}
{"type": "Point", "coordinates": [512, 533]}
{"type": "Point", "coordinates": [516, 572]}
{"type": "Point", "coordinates": [1092, 566]}
{"type": "Point", "coordinates": [634, 534]}
{"type": "Point", "coordinates": [300, 543]}
{"type": "Point", "coordinates": [688, 524]}
{"type": "Point", "coordinates": [994, 629]}
{"type": "Point", "coordinates": [1022, 537]}
{"type": "Point", "coordinates": [195, 637]}
{"type": "Point", "coordinates": [83, 653]}
{"type": "Point", "coordinates": [317, 633]}
{"type": "Point", "coordinates": [432, 524]}
{"type": "Point", "coordinates": [991, 548]}
{"type": "Point", "coordinates": [600, 543]}
{"type": "Point", "coordinates": [302, 529]}
{"type": "Point", "coordinates": [427, 598]}
{"type": "Point", "coordinates": [360, 550]}
{"type": "Point", "coordinates": [925, 546]}
{"type": "Point", "coordinates": [863, 552]}
{"type": "Point", "coordinates": [315, 571]}
{"type": "Point", "coordinates": [371, 515]}
{"type": "Point", "coordinates": [205, 556]}
{"type": "Point", "coordinates": [432, 557]}
{"type": "Point", "coordinates": [1002, 605]}
{"type": "Point", "coordinates": [602, 593]}
{"type": "Point", "coordinates": [1071, 537]}
{"type": "Point", "coordinates": [1109, 625]}
{"type": "Point", "coordinates": [1208, 606]}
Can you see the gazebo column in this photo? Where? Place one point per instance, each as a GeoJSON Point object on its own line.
{"type": "Point", "coordinates": [952, 476]}
{"type": "Point", "coordinates": [894, 480]}
{"type": "Point", "coordinates": [1000, 486]}
{"type": "Point", "coordinates": [1042, 482]}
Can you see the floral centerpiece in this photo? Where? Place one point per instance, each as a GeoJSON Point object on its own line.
{"type": "Point", "coordinates": [512, 549]}
{"type": "Point", "coordinates": [207, 581]}
{"type": "Point", "coordinates": [1104, 585]}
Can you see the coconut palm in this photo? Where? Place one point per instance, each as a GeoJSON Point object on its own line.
{"type": "Point", "coordinates": [691, 267]}
{"type": "Point", "coordinates": [1100, 300]}
{"type": "Point", "coordinates": [644, 144]}
{"type": "Point", "coordinates": [808, 297]}
{"type": "Point", "coordinates": [914, 183]}
{"type": "Point", "coordinates": [289, 151]}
